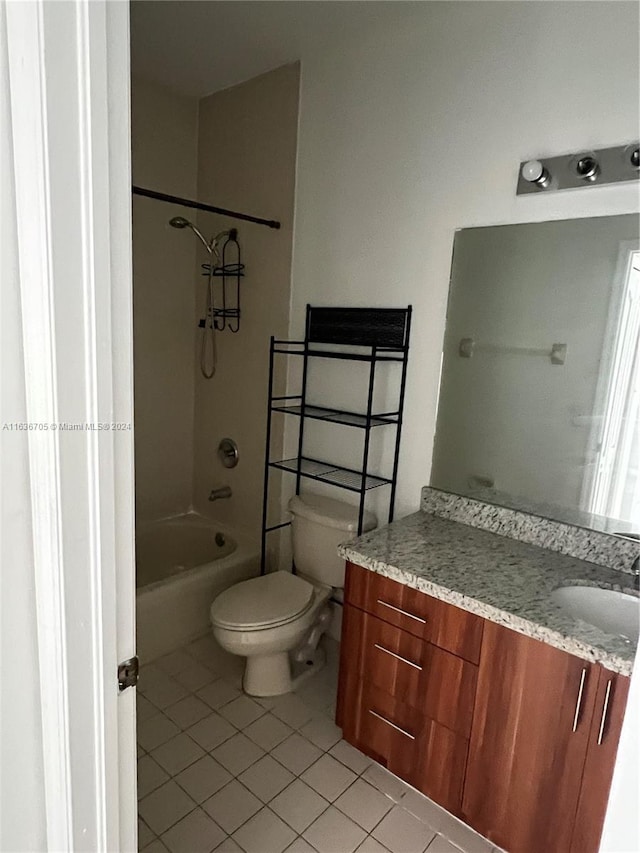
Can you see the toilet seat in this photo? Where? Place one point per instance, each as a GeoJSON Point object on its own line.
{"type": "Point", "coordinates": [264, 602]}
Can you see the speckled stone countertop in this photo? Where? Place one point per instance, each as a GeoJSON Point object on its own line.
{"type": "Point", "coordinates": [501, 579]}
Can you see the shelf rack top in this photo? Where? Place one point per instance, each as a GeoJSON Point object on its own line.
{"type": "Point", "coordinates": [369, 327]}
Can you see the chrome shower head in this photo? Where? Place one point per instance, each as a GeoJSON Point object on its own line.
{"type": "Point", "coordinates": [181, 222]}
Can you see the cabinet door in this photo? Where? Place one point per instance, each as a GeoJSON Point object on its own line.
{"type": "Point", "coordinates": [534, 706]}
{"type": "Point", "coordinates": [611, 701]}
{"type": "Point", "coordinates": [424, 753]}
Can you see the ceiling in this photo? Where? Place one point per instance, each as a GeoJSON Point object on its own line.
{"type": "Point", "coordinates": [201, 46]}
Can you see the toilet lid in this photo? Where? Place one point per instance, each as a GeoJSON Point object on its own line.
{"type": "Point", "coordinates": [266, 601]}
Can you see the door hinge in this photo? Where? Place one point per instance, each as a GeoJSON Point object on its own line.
{"type": "Point", "coordinates": [128, 673]}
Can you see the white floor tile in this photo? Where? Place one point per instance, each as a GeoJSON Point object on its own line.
{"type": "Point", "coordinates": [292, 710]}
{"type": "Point", "coordinates": [177, 753]}
{"type": "Point", "coordinates": [149, 674]}
{"type": "Point", "coordinates": [334, 832]}
{"type": "Point", "coordinates": [299, 805]}
{"type": "Point", "coordinates": [322, 732]}
{"type": "Point", "coordinates": [441, 845]}
{"type": "Point", "coordinates": [194, 677]}
{"type": "Point", "coordinates": [232, 806]}
{"type": "Point", "coordinates": [211, 731]}
{"type": "Point", "coordinates": [464, 837]}
{"type": "Point", "coordinates": [328, 777]}
{"type": "Point", "coordinates": [155, 731]}
{"type": "Point", "coordinates": [426, 810]}
{"type": "Point", "coordinates": [218, 693]}
{"type": "Point", "coordinates": [205, 647]}
{"type": "Point", "coordinates": [175, 662]}
{"type": "Point", "coordinates": [228, 846]}
{"type": "Point", "coordinates": [401, 832]}
{"type": "Point", "coordinates": [164, 691]}
{"type": "Point", "coordinates": [202, 779]}
{"type": "Point", "coordinates": [188, 711]}
{"type": "Point", "coordinates": [268, 731]}
{"type": "Point", "coordinates": [300, 846]}
{"type": "Point", "coordinates": [195, 833]}
{"type": "Point", "coordinates": [144, 708]}
{"type": "Point", "coordinates": [156, 847]}
{"type": "Point", "coordinates": [362, 803]}
{"type": "Point", "coordinates": [264, 833]}
{"type": "Point", "coordinates": [241, 712]}
{"type": "Point", "coordinates": [350, 757]}
{"type": "Point", "coordinates": [237, 753]}
{"type": "Point", "coordinates": [165, 806]}
{"type": "Point", "coordinates": [386, 782]}
{"type": "Point", "coordinates": [370, 845]}
{"type": "Point", "coordinates": [145, 836]}
{"type": "Point", "coordinates": [296, 753]}
{"type": "Point", "coordinates": [266, 778]}
{"type": "Point", "coordinates": [150, 776]}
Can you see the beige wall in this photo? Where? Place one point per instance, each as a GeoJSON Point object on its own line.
{"type": "Point", "coordinates": [164, 158]}
{"type": "Point", "coordinates": [246, 161]}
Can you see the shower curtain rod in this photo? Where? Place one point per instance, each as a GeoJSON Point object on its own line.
{"type": "Point", "coordinates": [198, 205]}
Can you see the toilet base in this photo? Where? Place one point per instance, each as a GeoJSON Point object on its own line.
{"type": "Point", "coordinates": [267, 675]}
{"type": "Point", "coordinates": [270, 675]}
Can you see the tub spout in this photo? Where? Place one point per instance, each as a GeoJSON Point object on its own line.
{"type": "Point", "coordinates": [218, 494]}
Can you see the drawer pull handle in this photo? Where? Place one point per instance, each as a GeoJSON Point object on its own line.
{"type": "Point", "coordinates": [576, 716]}
{"type": "Point", "coordinates": [403, 612]}
{"type": "Point", "coordinates": [605, 709]}
{"type": "Point", "coordinates": [393, 725]}
{"type": "Point", "coordinates": [398, 657]}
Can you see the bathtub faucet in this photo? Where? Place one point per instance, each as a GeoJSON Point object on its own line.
{"type": "Point", "coordinates": [222, 492]}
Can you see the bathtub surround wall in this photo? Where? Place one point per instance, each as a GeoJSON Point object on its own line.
{"type": "Point", "coordinates": [164, 158]}
{"type": "Point", "coordinates": [415, 128]}
{"type": "Point", "coordinates": [246, 161]}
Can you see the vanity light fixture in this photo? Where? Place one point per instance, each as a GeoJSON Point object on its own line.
{"type": "Point", "coordinates": [584, 169]}
{"type": "Point", "coordinates": [534, 172]}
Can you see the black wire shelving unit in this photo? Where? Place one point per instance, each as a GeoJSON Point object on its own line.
{"type": "Point", "coordinates": [340, 333]}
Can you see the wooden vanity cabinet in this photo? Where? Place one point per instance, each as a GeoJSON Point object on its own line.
{"type": "Point", "coordinates": [543, 744]}
{"type": "Point", "coordinates": [408, 673]}
{"type": "Point", "coordinates": [611, 700]}
{"type": "Point", "coordinates": [514, 736]}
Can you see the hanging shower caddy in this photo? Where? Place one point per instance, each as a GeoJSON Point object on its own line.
{"type": "Point", "coordinates": [226, 314]}
{"type": "Point", "coordinates": [371, 335]}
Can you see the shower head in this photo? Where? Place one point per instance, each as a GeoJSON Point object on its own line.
{"type": "Point", "coordinates": [181, 222]}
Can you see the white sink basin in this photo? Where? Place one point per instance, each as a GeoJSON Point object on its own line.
{"type": "Point", "coordinates": [611, 611]}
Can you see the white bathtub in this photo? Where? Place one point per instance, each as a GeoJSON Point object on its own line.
{"type": "Point", "coordinates": [182, 564]}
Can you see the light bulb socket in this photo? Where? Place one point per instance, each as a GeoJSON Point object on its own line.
{"type": "Point", "coordinates": [586, 167]}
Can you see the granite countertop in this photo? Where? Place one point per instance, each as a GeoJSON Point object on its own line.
{"type": "Point", "coordinates": [501, 579]}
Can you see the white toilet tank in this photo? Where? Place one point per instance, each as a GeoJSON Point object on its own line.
{"type": "Point", "coordinates": [318, 526]}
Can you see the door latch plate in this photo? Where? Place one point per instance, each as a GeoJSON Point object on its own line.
{"type": "Point", "coordinates": [128, 673]}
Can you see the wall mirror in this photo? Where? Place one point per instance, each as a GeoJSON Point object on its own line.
{"type": "Point", "coordinates": [539, 405]}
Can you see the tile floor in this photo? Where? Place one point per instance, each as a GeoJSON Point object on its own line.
{"type": "Point", "coordinates": [220, 771]}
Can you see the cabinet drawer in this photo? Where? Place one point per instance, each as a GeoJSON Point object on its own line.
{"type": "Point", "coordinates": [425, 754]}
{"type": "Point", "coordinates": [422, 615]}
{"type": "Point", "coordinates": [425, 677]}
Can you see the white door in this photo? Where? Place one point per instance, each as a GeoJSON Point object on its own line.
{"type": "Point", "coordinates": [68, 71]}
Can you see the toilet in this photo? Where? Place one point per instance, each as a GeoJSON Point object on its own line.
{"type": "Point", "coordinates": [276, 620]}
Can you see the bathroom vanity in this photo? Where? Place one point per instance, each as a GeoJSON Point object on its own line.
{"type": "Point", "coordinates": [463, 676]}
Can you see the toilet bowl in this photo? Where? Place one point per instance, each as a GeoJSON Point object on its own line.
{"type": "Point", "coordinates": [266, 618]}
{"type": "Point", "coordinates": [278, 619]}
